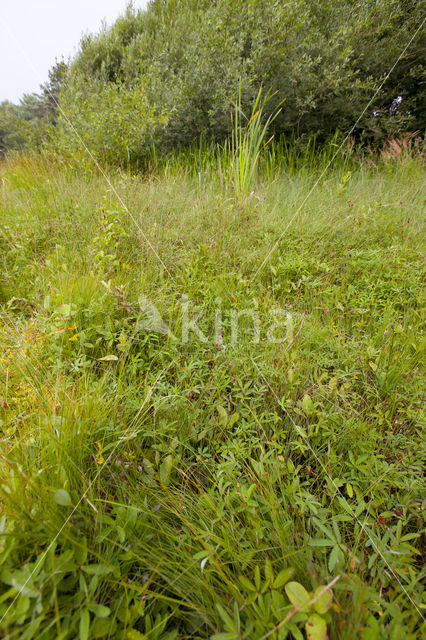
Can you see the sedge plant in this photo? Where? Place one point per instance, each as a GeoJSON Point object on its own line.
{"type": "Point", "coordinates": [247, 142]}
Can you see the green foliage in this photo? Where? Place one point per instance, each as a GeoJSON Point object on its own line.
{"type": "Point", "coordinates": [326, 60]}
{"type": "Point", "coordinates": [28, 125]}
{"type": "Point", "coordinates": [115, 122]}
{"type": "Point", "coordinates": [152, 488]}
{"type": "Point", "coordinates": [249, 138]}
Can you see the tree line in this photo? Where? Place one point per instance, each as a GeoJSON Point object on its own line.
{"type": "Point", "coordinates": [168, 75]}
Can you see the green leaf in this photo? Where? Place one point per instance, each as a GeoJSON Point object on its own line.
{"type": "Point", "coordinates": [22, 606]}
{"type": "Point", "coordinates": [228, 621]}
{"type": "Point", "coordinates": [346, 506]}
{"type": "Point", "coordinates": [283, 577]}
{"type": "Point", "coordinates": [247, 584]}
{"type": "Point", "coordinates": [307, 404]}
{"type": "Point", "coordinates": [64, 310]}
{"type": "Point", "coordinates": [321, 542]}
{"type": "Point", "coordinates": [80, 551]}
{"type": "Point", "coordinates": [233, 419]}
{"type": "Point", "coordinates": [134, 634]}
{"type": "Point", "coordinates": [109, 358]}
{"type": "Point", "coordinates": [99, 610]}
{"type": "Point", "coordinates": [223, 414]}
{"type": "Point", "coordinates": [410, 536]}
{"type": "Point", "coordinates": [101, 627]}
{"type": "Point", "coordinates": [84, 624]}
{"type": "Point", "coordinates": [296, 634]}
{"type": "Point", "coordinates": [25, 588]}
{"type": "Point", "coordinates": [97, 569]}
{"type": "Point", "coordinates": [323, 604]}
{"type": "Point", "coordinates": [62, 497]}
{"type": "Point", "coordinates": [297, 595]}
{"type": "Point", "coordinates": [257, 577]}
{"type": "Point", "coordinates": [333, 558]}
{"type": "Point", "coordinates": [269, 573]}
{"type": "Point", "coordinates": [165, 469]}
{"type": "Point", "coordinates": [316, 627]}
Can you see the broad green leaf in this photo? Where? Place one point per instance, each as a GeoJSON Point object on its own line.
{"type": "Point", "coordinates": [99, 610]}
{"type": "Point", "coordinates": [297, 595]}
{"type": "Point", "coordinates": [321, 542]}
{"type": "Point", "coordinates": [296, 634]}
{"type": "Point", "coordinates": [316, 627]}
{"type": "Point", "coordinates": [283, 577]}
{"type": "Point", "coordinates": [109, 358]}
{"type": "Point", "coordinates": [247, 584]}
{"type": "Point", "coordinates": [97, 569]}
{"type": "Point", "coordinates": [80, 551]}
{"type": "Point", "coordinates": [134, 634]}
{"type": "Point", "coordinates": [101, 627]}
{"type": "Point", "coordinates": [223, 414]}
{"type": "Point", "coordinates": [64, 310]}
{"type": "Point", "coordinates": [333, 558]}
{"type": "Point", "coordinates": [84, 624]}
{"type": "Point", "coordinates": [269, 573]}
{"type": "Point", "coordinates": [22, 606]}
{"type": "Point", "coordinates": [24, 586]}
{"type": "Point", "coordinates": [323, 604]}
{"type": "Point", "coordinates": [165, 469]}
{"type": "Point", "coordinates": [257, 577]}
{"type": "Point", "coordinates": [346, 506]}
{"type": "Point", "coordinates": [229, 622]}
{"type": "Point", "coordinates": [233, 419]}
{"type": "Point", "coordinates": [307, 404]}
{"type": "Point", "coordinates": [10, 593]}
{"type": "Point", "coordinates": [410, 536]}
{"type": "Point", "coordinates": [62, 497]}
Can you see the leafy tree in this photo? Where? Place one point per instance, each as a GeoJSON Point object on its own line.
{"type": "Point", "coordinates": [325, 59]}
{"type": "Point", "coordinates": [28, 124]}
{"type": "Point", "coordinates": [50, 90]}
{"type": "Point", "coordinates": [115, 121]}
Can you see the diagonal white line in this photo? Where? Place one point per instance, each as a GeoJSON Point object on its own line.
{"type": "Point", "coordinates": [294, 216]}
{"type": "Point", "coordinates": [300, 433]}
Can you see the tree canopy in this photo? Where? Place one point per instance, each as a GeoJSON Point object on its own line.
{"type": "Point", "coordinates": [170, 73]}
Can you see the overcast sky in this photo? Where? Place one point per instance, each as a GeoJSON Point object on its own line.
{"type": "Point", "coordinates": [33, 33]}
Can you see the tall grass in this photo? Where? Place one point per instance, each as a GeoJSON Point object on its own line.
{"type": "Point", "coordinates": [249, 139]}
{"type": "Point", "coordinates": [198, 480]}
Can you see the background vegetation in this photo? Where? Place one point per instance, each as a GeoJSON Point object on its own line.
{"type": "Point", "coordinates": [168, 75]}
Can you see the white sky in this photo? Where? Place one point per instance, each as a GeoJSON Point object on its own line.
{"type": "Point", "coordinates": [33, 33]}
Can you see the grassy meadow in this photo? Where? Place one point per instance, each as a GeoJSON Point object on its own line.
{"type": "Point", "coordinates": [165, 485]}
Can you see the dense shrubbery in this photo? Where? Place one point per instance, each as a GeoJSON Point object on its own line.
{"type": "Point", "coordinates": [31, 123]}
{"type": "Point", "coordinates": [115, 121]}
{"type": "Point", "coordinates": [325, 60]}
{"type": "Point", "coordinates": [170, 74]}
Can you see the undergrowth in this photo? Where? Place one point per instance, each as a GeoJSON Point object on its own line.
{"type": "Point", "coordinates": [154, 486]}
